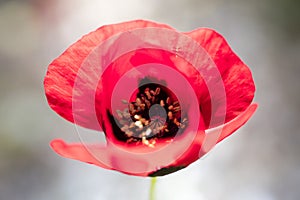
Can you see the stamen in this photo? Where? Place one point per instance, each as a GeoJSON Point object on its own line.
{"type": "Point", "coordinates": [154, 114]}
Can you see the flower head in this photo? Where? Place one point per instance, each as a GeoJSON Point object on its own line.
{"type": "Point", "coordinates": [162, 98]}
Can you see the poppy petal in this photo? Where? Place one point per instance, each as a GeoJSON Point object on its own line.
{"type": "Point", "coordinates": [203, 143]}
{"type": "Point", "coordinates": [216, 135]}
{"type": "Point", "coordinates": [77, 152]}
{"type": "Point", "coordinates": [106, 157]}
{"type": "Point", "coordinates": [94, 82]}
{"type": "Point", "coordinates": [62, 72]}
{"type": "Point", "coordinates": [236, 75]}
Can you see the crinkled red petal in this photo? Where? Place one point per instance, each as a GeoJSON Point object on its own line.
{"type": "Point", "coordinates": [98, 155]}
{"type": "Point", "coordinates": [78, 152]}
{"type": "Point", "coordinates": [203, 143]}
{"type": "Point", "coordinates": [237, 77]}
{"type": "Point", "coordinates": [129, 162]}
{"type": "Point", "coordinates": [62, 72]}
{"type": "Point", "coordinates": [62, 76]}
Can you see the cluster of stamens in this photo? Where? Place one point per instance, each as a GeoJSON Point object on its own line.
{"type": "Point", "coordinates": [152, 115]}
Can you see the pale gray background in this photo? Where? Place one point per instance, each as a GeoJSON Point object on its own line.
{"type": "Point", "coordinates": [260, 162]}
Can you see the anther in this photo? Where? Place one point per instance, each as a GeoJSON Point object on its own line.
{"type": "Point", "coordinates": [154, 114]}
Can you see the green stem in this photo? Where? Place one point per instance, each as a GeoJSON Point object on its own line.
{"type": "Point", "coordinates": [152, 188]}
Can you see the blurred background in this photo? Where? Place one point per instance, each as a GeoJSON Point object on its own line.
{"type": "Point", "coordinates": [260, 162]}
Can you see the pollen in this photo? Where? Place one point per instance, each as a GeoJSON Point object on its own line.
{"type": "Point", "coordinates": [155, 113]}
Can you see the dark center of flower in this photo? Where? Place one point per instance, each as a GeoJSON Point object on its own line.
{"type": "Point", "coordinates": [153, 113]}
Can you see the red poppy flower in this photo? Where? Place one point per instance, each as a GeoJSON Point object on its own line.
{"type": "Point", "coordinates": [162, 98]}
